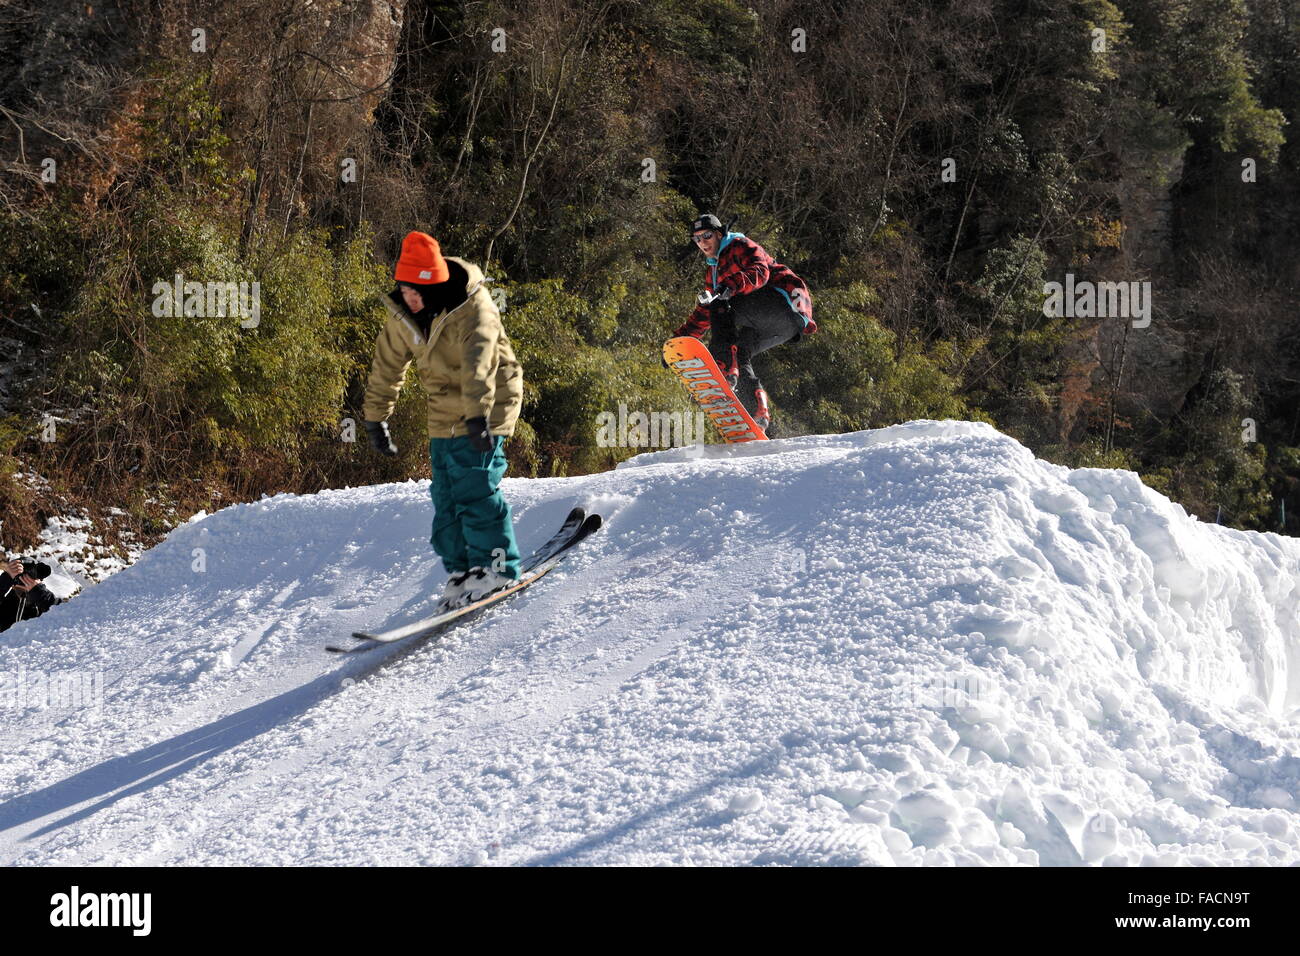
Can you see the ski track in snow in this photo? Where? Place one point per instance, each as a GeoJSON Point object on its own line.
{"type": "Point", "coordinates": [914, 645]}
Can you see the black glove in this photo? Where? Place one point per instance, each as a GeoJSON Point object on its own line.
{"type": "Point", "coordinates": [479, 436]}
{"type": "Point", "coordinates": [380, 440]}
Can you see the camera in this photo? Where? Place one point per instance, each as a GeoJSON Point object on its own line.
{"type": "Point", "coordinates": [38, 570]}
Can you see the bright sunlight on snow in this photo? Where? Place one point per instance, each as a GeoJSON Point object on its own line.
{"type": "Point", "coordinates": [913, 645]}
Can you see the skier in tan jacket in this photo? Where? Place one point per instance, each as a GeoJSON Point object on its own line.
{"type": "Point", "coordinates": [442, 317]}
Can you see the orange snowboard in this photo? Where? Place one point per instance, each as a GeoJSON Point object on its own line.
{"type": "Point", "coordinates": [691, 362]}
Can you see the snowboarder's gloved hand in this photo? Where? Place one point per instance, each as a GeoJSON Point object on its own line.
{"type": "Point", "coordinates": [380, 440]}
{"type": "Point", "coordinates": [709, 297]}
{"type": "Point", "coordinates": [479, 436]}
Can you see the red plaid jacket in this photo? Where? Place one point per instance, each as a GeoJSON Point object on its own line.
{"type": "Point", "coordinates": [743, 266]}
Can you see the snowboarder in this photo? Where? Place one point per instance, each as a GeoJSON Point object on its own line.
{"type": "Point", "coordinates": [442, 317]}
{"type": "Point", "coordinates": [751, 302]}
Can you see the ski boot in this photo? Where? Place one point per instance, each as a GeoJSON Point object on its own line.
{"type": "Point", "coordinates": [732, 372]}
{"type": "Point", "coordinates": [452, 592]}
{"type": "Point", "coordinates": [762, 412]}
{"type": "Point", "coordinates": [480, 582]}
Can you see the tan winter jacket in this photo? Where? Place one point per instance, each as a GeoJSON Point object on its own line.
{"type": "Point", "coordinates": [466, 364]}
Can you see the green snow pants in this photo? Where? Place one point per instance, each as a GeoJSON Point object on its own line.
{"type": "Point", "coordinates": [472, 526]}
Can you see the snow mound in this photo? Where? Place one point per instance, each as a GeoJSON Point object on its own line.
{"type": "Point", "coordinates": [913, 645]}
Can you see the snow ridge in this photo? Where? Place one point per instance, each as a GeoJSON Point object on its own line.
{"type": "Point", "coordinates": [912, 645]}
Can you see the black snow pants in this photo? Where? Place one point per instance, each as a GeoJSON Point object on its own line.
{"type": "Point", "coordinates": [752, 323]}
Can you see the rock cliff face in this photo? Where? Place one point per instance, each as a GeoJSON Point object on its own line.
{"type": "Point", "coordinates": [1145, 196]}
{"type": "Point", "coordinates": [366, 33]}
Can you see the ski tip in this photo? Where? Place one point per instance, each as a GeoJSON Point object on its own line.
{"type": "Point", "coordinates": [335, 650]}
{"type": "Point", "coordinates": [590, 525]}
{"type": "Point", "coordinates": [362, 636]}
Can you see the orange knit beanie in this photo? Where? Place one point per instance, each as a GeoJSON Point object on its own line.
{"type": "Point", "coordinates": [421, 262]}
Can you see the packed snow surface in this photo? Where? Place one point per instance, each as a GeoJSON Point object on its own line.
{"type": "Point", "coordinates": [914, 645]}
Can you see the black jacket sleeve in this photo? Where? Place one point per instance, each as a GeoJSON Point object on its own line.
{"type": "Point", "coordinates": [17, 606]}
{"type": "Point", "coordinates": [8, 610]}
{"type": "Point", "coordinates": [39, 600]}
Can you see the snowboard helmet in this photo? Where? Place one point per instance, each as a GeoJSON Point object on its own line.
{"type": "Point", "coordinates": [707, 221]}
